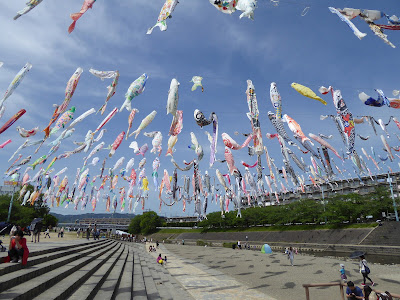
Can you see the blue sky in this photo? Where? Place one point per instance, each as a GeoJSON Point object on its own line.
{"type": "Point", "coordinates": [278, 46]}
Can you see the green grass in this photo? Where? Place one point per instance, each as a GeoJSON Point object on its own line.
{"type": "Point", "coordinates": [273, 228]}
{"type": "Point", "coordinates": [178, 230]}
{"type": "Point", "coordinates": [294, 227]}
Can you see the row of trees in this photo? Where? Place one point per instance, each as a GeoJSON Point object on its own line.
{"type": "Point", "coordinates": [336, 210]}
{"type": "Point", "coordinates": [23, 215]}
{"type": "Point", "coordinates": [146, 223]}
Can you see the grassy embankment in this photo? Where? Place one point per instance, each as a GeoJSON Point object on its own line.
{"type": "Point", "coordinates": [272, 228]}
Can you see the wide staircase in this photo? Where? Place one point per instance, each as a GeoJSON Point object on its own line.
{"type": "Point", "coordinates": [388, 234]}
{"type": "Point", "coordinates": [105, 269]}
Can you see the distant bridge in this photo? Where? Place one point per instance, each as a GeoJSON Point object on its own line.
{"type": "Point", "coordinates": [101, 226]}
{"type": "Point", "coordinates": [101, 223]}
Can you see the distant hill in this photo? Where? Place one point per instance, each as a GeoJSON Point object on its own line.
{"type": "Point", "coordinates": [73, 218]}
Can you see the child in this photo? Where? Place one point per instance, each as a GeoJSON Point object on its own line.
{"type": "Point", "coordinates": [47, 233]}
{"type": "Point", "coordinates": [165, 260]}
{"type": "Point", "coordinates": [343, 273]}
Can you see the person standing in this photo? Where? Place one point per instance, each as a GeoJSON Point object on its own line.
{"type": "Point", "coordinates": [165, 260]}
{"type": "Point", "coordinates": [95, 232]}
{"type": "Point", "coordinates": [365, 270]}
{"type": "Point", "coordinates": [88, 232]}
{"type": "Point", "coordinates": [32, 231]}
{"type": "Point", "coordinates": [62, 232]}
{"type": "Point", "coordinates": [239, 245]}
{"type": "Point", "coordinates": [37, 231]}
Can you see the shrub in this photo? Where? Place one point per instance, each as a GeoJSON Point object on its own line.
{"type": "Point", "coordinates": [200, 243]}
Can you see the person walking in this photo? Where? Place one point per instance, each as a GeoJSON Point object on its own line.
{"type": "Point", "coordinates": [343, 275]}
{"type": "Point", "coordinates": [290, 254]}
{"type": "Point", "coordinates": [365, 270]}
{"type": "Point", "coordinates": [47, 233]}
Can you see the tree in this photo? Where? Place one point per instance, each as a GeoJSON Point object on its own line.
{"type": "Point", "coordinates": [145, 224]}
{"type": "Point", "coordinates": [134, 226]}
{"type": "Point", "coordinates": [22, 215]}
{"type": "Point", "coordinates": [50, 220]}
{"type": "Point", "coordinates": [149, 222]}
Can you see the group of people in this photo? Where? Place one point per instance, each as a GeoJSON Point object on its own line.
{"type": "Point", "coordinates": [35, 229]}
{"type": "Point", "coordinates": [354, 292]}
{"type": "Point", "coordinates": [60, 232]}
{"type": "Point", "coordinates": [94, 231]}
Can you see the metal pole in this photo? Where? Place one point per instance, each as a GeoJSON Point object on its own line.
{"type": "Point", "coordinates": [323, 202]}
{"type": "Point", "coordinates": [389, 179]}
{"type": "Point", "coordinates": [11, 203]}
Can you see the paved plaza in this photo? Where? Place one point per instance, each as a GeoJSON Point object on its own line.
{"type": "Point", "coordinates": [269, 274]}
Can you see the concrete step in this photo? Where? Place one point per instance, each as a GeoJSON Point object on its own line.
{"type": "Point", "coordinates": [125, 291]}
{"type": "Point", "coordinates": [388, 235]}
{"type": "Point", "coordinates": [38, 257]}
{"type": "Point", "coordinates": [170, 287]}
{"type": "Point", "coordinates": [49, 249]}
{"type": "Point", "coordinates": [156, 277]}
{"type": "Point", "coordinates": [23, 275]}
{"type": "Point", "coordinates": [43, 276]}
{"type": "Point", "coordinates": [139, 287]}
{"type": "Point", "coordinates": [151, 289]}
{"type": "Point", "coordinates": [109, 287]}
{"type": "Point", "coordinates": [69, 284]}
{"type": "Point", "coordinates": [89, 289]}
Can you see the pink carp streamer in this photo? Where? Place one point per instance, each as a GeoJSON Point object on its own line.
{"type": "Point", "coordinates": [76, 16]}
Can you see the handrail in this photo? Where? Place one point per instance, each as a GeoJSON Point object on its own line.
{"type": "Point", "coordinates": [307, 286]}
{"type": "Point", "coordinates": [341, 287]}
{"type": "Point", "coordinates": [322, 284]}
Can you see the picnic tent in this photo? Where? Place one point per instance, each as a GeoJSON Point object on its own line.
{"type": "Point", "coordinates": [266, 249]}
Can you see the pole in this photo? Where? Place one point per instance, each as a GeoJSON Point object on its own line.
{"type": "Point", "coordinates": [11, 203]}
{"type": "Point", "coordinates": [323, 202]}
{"type": "Point", "coordinates": [389, 179]}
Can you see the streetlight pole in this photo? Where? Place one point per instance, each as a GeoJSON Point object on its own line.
{"type": "Point", "coordinates": [12, 199]}
{"type": "Point", "coordinates": [11, 203]}
{"type": "Point", "coordinates": [323, 202]}
{"type": "Point", "coordinates": [389, 179]}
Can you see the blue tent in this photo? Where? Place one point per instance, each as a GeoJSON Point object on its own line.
{"type": "Point", "coordinates": [266, 249]}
